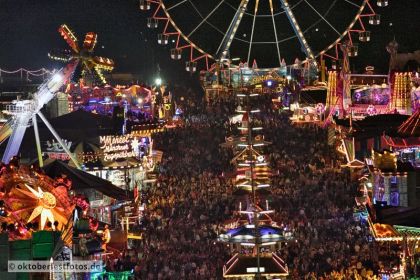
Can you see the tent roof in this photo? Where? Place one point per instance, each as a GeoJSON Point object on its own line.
{"type": "Point", "coordinates": [81, 119]}
{"type": "Point", "coordinates": [411, 127]}
{"type": "Point", "coordinates": [239, 266]}
{"type": "Point", "coordinates": [374, 125]}
{"type": "Point", "coordinates": [404, 216]}
{"type": "Point", "coordinates": [263, 231]}
{"type": "Point", "coordinates": [83, 180]}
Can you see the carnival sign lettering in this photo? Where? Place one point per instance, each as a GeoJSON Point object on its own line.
{"type": "Point", "coordinates": [117, 147]}
{"type": "Point", "coordinates": [60, 156]}
{"type": "Point", "coordinates": [54, 150]}
{"type": "Point", "coordinates": [263, 79]}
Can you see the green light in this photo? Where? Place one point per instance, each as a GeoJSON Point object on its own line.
{"type": "Point", "coordinates": [124, 275]}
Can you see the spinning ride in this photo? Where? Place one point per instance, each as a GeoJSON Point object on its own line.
{"type": "Point", "coordinates": [24, 111]}
{"type": "Point", "coordinates": [90, 64]}
{"type": "Point", "coordinates": [274, 33]}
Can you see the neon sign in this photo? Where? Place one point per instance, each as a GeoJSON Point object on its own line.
{"type": "Point", "coordinates": [55, 151]}
{"type": "Point", "coordinates": [118, 147]}
{"type": "Point", "coordinates": [267, 78]}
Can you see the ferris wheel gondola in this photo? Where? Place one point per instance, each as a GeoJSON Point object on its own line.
{"type": "Point", "coordinates": [273, 33]}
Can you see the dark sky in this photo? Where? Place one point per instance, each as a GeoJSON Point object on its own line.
{"type": "Point", "coordinates": [28, 30]}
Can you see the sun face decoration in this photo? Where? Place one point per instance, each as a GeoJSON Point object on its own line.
{"type": "Point", "coordinates": [48, 200]}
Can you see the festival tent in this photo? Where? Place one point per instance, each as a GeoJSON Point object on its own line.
{"type": "Point", "coordinates": [75, 127]}
{"type": "Point", "coordinates": [81, 123]}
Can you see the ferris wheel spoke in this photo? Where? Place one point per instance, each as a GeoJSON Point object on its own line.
{"type": "Point", "coordinates": [275, 30]}
{"type": "Point", "coordinates": [212, 25]}
{"type": "Point", "coordinates": [231, 32]}
{"type": "Point", "coordinates": [252, 31]}
{"type": "Point", "coordinates": [265, 15]}
{"type": "Point", "coordinates": [323, 18]}
{"type": "Point", "coordinates": [352, 3]}
{"type": "Point", "coordinates": [296, 28]}
{"type": "Point", "coordinates": [320, 19]}
{"type": "Point", "coordinates": [176, 5]}
{"type": "Point", "coordinates": [206, 18]}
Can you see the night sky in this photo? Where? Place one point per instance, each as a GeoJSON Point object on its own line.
{"type": "Point", "coordinates": [28, 30]}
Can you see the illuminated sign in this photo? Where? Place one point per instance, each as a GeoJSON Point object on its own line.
{"type": "Point", "coordinates": [59, 156]}
{"type": "Point", "coordinates": [118, 147]}
{"type": "Point", "coordinates": [55, 151]}
{"type": "Point", "coordinates": [263, 79]}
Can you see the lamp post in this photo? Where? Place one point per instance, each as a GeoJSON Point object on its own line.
{"type": "Point", "coordinates": [158, 81]}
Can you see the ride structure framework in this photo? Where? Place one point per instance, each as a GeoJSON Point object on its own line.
{"type": "Point", "coordinates": [24, 111]}
{"type": "Point", "coordinates": [91, 65]}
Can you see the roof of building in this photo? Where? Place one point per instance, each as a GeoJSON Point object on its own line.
{"type": "Point", "coordinates": [246, 266]}
{"type": "Point", "coordinates": [375, 125]}
{"type": "Point", "coordinates": [247, 234]}
{"type": "Point", "coordinates": [82, 180]}
{"type": "Point", "coordinates": [403, 216]}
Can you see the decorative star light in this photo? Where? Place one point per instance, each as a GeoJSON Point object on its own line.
{"type": "Point", "coordinates": [135, 145]}
{"type": "Point", "coordinates": [46, 203]}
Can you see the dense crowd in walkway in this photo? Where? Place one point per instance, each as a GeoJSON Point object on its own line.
{"type": "Point", "coordinates": [312, 197]}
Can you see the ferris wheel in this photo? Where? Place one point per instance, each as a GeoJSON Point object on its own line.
{"type": "Point", "coordinates": [272, 33]}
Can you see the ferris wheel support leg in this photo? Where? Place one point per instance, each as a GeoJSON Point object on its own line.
{"type": "Point", "coordinates": [59, 140]}
{"type": "Point", "coordinates": [295, 25]}
{"type": "Point", "coordinates": [224, 46]}
{"type": "Point", "coordinates": [275, 32]}
{"type": "Point", "coordinates": [252, 31]}
{"type": "Point", "coordinates": [15, 139]}
{"type": "Point", "coordinates": [37, 142]}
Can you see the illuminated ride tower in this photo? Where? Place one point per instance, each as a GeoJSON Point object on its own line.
{"type": "Point", "coordinates": [252, 235]}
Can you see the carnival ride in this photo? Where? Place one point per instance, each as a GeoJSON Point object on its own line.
{"type": "Point", "coordinates": [273, 33]}
{"type": "Point", "coordinates": [91, 66]}
{"type": "Point", "coordinates": [370, 94]}
{"type": "Point", "coordinates": [103, 99]}
{"type": "Point", "coordinates": [139, 104]}
{"type": "Point", "coordinates": [24, 111]}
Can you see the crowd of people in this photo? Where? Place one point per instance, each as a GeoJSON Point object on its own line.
{"type": "Point", "coordinates": [193, 197]}
{"type": "Point", "coordinates": [314, 198]}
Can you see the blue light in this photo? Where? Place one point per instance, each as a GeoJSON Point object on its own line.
{"type": "Point", "coordinates": [269, 83]}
